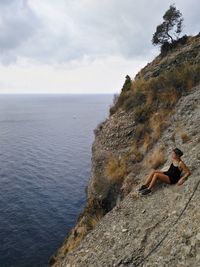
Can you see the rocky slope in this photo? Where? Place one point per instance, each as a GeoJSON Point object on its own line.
{"type": "Point", "coordinates": [158, 230]}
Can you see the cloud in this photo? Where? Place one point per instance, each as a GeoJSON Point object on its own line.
{"type": "Point", "coordinates": [80, 45]}
{"type": "Point", "coordinates": [60, 31]}
{"type": "Point", "coordinates": [18, 23]}
{"type": "Point", "coordinates": [105, 75]}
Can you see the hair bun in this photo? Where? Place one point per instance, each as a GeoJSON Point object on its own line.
{"type": "Point", "coordinates": [178, 152]}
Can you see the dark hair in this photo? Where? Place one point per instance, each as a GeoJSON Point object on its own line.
{"type": "Point", "coordinates": [178, 152]}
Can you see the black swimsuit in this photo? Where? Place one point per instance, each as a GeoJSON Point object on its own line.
{"type": "Point", "coordinates": [174, 173]}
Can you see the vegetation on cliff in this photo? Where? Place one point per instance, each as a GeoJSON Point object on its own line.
{"type": "Point", "coordinates": [152, 98]}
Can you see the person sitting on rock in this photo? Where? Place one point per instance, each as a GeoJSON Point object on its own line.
{"type": "Point", "coordinates": [171, 176]}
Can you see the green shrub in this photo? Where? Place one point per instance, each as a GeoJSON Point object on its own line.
{"type": "Point", "coordinates": [142, 113]}
{"type": "Point", "coordinates": [134, 100]}
{"type": "Point", "coordinates": [166, 46]}
{"type": "Point", "coordinates": [127, 84]}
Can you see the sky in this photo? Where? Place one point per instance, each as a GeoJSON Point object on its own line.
{"type": "Point", "coordinates": [80, 46]}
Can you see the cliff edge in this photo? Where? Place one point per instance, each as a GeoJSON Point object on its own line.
{"type": "Point", "coordinates": [158, 110]}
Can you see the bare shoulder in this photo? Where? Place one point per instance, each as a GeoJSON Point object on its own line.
{"type": "Point", "coordinates": [183, 166]}
{"type": "Point", "coordinates": [182, 163]}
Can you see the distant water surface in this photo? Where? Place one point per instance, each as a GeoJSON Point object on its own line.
{"type": "Point", "coordinates": [45, 161]}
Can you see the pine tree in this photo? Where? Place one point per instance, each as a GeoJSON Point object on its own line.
{"type": "Point", "coordinates": [171, 28]}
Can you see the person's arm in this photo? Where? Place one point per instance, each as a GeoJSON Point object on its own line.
{"type": "Point", "coordinates": [186, 171]}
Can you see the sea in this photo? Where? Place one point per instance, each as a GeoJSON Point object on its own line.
{"type": "Point", "coordinates": [45, 163]}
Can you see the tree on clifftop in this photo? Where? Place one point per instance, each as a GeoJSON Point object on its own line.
{"type": "Point", "coordinates": [170, 29]}
{"type": "Point", "coordinates": [127, 84]}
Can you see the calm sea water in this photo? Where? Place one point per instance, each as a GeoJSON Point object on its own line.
{"type": "Point", "coordinates": [45, 161]}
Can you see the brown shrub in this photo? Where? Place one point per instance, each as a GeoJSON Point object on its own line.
{"type": "Point", "coordinates": [156, 159]}
{"type": "Point", "coordinates": [74, 241]}
{"type": "Point", "coordinates": [185, 138]}
{"type": "Point", "coordinates": [115, 169]}
{"type": "Point", "coordinates": [139, 132]}
{"type": "Point", "coordinates": [147, 142]}
{"type": "Point", "coordinates": [143, 113]}
{"type": "Point", "coordinates": [135, 151]}
{"type": "Point", "coordinates": [94, 220]}
{"type": "Point", "coordinates": [164, 89]}
{"type": "Point", "coordinates": [139, 84]}
{"type": "Point", "coordinates": [168, 97]}
{"type": "Point", "coordinates": [157, 123]}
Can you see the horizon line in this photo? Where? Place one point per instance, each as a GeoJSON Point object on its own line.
{"type": "Point", "coordinates": [57, 93]}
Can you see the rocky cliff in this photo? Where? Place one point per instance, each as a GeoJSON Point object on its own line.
{"type": "Point", "coordinates": [158, 111]}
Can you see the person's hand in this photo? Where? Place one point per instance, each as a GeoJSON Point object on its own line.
{"type": "Point", "coordinates": [181, 181]}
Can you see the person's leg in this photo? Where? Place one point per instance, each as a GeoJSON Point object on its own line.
{"type": "Point", "coordinates": [150, 177]}
{"type": "Point", "coordinates": [159, 176]}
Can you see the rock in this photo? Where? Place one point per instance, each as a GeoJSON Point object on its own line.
{"type": "Point", "coordinates": [160, 230]}
{"type": "Point", "coordinates": [124, 230]}
{"type": "Point", "coordinates": [198, 236]}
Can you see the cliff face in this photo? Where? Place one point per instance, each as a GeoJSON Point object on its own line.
{"type": "Point", "coordinates": [117, 226]}
{"type": "Point", "coordinates": [157, 230]}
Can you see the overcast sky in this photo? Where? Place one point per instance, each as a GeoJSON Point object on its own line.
{"type": "Point", "coordinates": [80, 46]}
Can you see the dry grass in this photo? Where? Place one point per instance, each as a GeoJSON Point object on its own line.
{"type": "Point", "coordinates": [92, 215]}
{"type": "Point", "coordinates": [115, 169]}
{"type": "Point", "coordinates": [169, 97]}
{"type": "Point", "coordinates": [139, 131]}
{"type": "Point", "coordinates": [147, 143]}
{"type": "Point", "coordinates": [95, 219]}
{"type": "Point", "coordinates": [146, 98]}
{"type": "Point", "coordinates": [164, 89]}
{"type": "Point", "coordinates": [173, 137]}
{"type": "Point", "coordinates": [139, 84]}
{"type": "Point", "coordinates": [142, 113]}
{"type": "Point", "coordinates": [73, 242]}
{"type": "Point", "coordinates": [185, 138]}
{"type": "Point", "coordinates": [99, 186]}
{"type": "Point", "coordinates": [156, 159]}
{"type": "Point", "coordinates": [157, 123]}
{"type": "Point", "coordinates": [136, 151]}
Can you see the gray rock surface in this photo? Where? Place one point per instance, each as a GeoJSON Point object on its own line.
{"type": "Point", "coordinates": [114, 136]}
{"type": "Point", "coordinates": [162, 229]}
